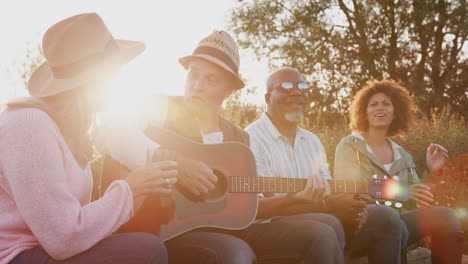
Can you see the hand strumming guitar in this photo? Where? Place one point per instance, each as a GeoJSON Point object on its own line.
{"type": "Point", "coordinates": [195, 176]}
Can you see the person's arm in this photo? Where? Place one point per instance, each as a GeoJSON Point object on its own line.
{"type": "Point", "coordinates": [346, 162]}
{"type": "Point", "coordinates": [36, 177]}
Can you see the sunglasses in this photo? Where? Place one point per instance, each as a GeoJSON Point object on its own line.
{"type": "Point", "coordinates": [288, 86]}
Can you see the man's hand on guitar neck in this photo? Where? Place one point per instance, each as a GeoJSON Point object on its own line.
{"type": "Point", "coordinates": [316, 189]}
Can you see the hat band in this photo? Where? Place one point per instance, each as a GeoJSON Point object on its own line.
{"type": "Point", "coordinates": [75, 68]}
{"type": "Point", "coordinates": [203, 50]}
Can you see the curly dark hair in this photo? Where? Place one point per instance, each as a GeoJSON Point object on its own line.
{"type": "Point", "coordinates": [403, 104]}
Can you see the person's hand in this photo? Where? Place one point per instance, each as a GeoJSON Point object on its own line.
{"type": "Point", "coordinates": [436, 157]}
{"type": "Point", "coordinates": [421, 193]}
{"type": "Point", "coordinates": [195, 176]}
{"type": "Point", "coordinates": [157, 177]}
{"type": "Point", "coordinates": [362, 219]}
{"type": "Point", "coordinates": [316, 189]}
{"type": "Point", "coordinates": [348, 207]}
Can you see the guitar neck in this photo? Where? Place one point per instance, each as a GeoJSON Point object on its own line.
{"type": "Point", "coordinates": [245, 184]}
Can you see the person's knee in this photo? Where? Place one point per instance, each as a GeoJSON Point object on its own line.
{"type": "Point", "coordinates": [388, 217]}
{"type": "Point", "coordinates": [333, 221]}
{"type": "Point", "coordinates": [236, 251]}
{"type": "Point", "coordinates": [320, 236]}
{"type": "Point", "coordinates": [448, 220]}
{"type": "Point", "coordinates": [404, 234]}
{"type": "Point", "coordinates": [150, 246]}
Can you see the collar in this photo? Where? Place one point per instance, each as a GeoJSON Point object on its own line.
{"type": "Point", "coordinates": [396, 148]}
{"type": "Point", "coordinates": [271, 129]}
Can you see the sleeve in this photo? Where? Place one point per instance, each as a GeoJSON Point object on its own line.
{"type": "Point", "coordinates": [346, 162]}
{"type": "Point", "coordinates": [413, 177]}
{"type": "Point", "coordinates": [261, 157]}
{"type": "Point", "coordinates": [324, 172]}
{"type": "Point", "coordinates": [35, 175]}
{"type": "Point", "coordinates": [122, 138]}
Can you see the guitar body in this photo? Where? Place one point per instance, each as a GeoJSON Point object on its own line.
{"type": "Point", "coordinates": [219, 209]}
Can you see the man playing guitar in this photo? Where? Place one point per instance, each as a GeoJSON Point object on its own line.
{"type": "Point", "coordinates": [212, 77]}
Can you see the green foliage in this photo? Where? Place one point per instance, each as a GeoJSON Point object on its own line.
{"type": "Point", "coordinates": [239, 112]}
{"type": "Point", "coordinates": [338, 45]}
{"type": "Point", "coordinates": [24, 66]}
{"type": "Point", "coordinates": [449, 130]}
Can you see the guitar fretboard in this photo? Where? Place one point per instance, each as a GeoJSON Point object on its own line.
{"type": "Point", "coordinates": [246, 184]}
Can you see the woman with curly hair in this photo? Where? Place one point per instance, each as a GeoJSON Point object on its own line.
{"type": "Point", "coordinates": [384, 109]}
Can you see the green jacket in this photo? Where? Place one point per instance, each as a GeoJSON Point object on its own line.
{"type": "Point", "coordinates": [354, 162]}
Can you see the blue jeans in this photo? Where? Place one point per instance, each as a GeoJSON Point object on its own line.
{"type": "Point", "coordinates": [202, 247]}
{"type": "Point", "coordinates": [125, 248]}
{"type": "Point", "coordinates": [442, 225]}
{"type": "Point", "coordinates": [380, 238]}
{"type": "Point", "coordinates": [305, 238]}
{"type": "Point", "coordinates": [310, 238]}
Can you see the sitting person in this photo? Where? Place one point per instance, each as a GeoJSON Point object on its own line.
{"type": "Point", "coordinates": [380, 110]}
{"type": "Point", "coordinates": [284, 150]}
{"type": "Point", "coordinates": [45, 151]}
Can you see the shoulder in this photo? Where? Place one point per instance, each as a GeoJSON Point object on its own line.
{"type": "Point", "coordinates": [254, 127]}
{"type": "Point", "coordinates": [311, 137]}
{"type": "Point", "coordinates": [404, 153]}
{"type": "Point", "coordinates": [308, 134]}
{"type": "Point", "coordinates": [23, 128]}
{"type": "Point", "coordinates": [349, 139]}
{"type": "Point", "coordinates": [239, 132]}
{"type": "Point", "coordinates": [13, 119]}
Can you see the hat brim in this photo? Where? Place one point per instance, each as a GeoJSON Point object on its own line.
{"type": "Point", "coordinates": [43, 83]}
{"type": "Point", "coordinates": [185, 62]}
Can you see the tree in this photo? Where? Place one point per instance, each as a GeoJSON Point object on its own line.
{"type": "Point", "coordinates": [338, 45]}
{"type": "Point", "coordinates": [24, 65]}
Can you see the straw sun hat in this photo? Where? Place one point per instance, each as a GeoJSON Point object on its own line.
{"type": "Point", "coordinates": [79, 49]}
{"type": "Point", "coordinates": [220, 48]}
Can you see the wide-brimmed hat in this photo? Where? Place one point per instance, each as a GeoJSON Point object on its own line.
{"type": "Point", "coordinates": [79, 49]}
{"type": "Point", "coordinates": [220, 48]}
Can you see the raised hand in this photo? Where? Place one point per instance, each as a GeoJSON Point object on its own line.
{"type": "Point", "coordinates": [436, 157]}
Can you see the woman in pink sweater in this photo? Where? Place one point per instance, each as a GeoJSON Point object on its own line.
{"type": "Point", "coordinates": [45, 150]}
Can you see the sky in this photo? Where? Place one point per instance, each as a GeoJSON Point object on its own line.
{"type": "Point", "coordinates": [170, 29]}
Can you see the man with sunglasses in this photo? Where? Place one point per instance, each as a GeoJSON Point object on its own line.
{"type": "Point", "coordinates": [284, 150]}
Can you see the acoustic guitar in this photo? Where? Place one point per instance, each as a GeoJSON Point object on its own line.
{"type": "Point", "coordinates": [232, 204]}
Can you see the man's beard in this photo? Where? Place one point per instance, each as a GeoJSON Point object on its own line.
{"type": "Point", "coordinates": [294, 117]}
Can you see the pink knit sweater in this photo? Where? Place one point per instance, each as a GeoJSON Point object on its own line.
{"type": "Point", "coordinates": [45, 194]}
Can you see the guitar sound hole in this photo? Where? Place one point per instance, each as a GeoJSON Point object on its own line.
{"type": "Point", "coordinates": [220, 186]}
